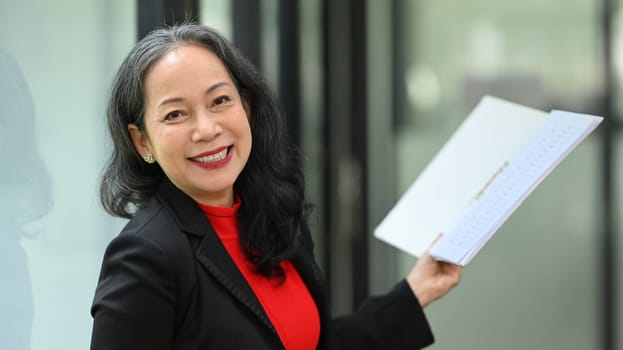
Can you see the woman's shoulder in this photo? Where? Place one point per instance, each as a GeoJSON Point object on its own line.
{"type": "Point", "coordinates": [151, 250]}
{"type": "Point", "coordinates": [150, 221]}
{"type": "Point", "coordinates": [153, 225]}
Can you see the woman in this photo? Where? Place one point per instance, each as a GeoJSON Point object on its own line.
{"type": "Point", "coordinates": [217, 253]}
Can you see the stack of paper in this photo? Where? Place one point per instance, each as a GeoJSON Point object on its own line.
{"type": "Point", "coordinates": [494, 160]}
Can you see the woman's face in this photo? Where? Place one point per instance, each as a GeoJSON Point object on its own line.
{"type": "Point", "coordinates": [196, 124]}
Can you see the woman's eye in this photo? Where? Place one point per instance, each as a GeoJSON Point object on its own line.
{"type": "Point", "coordinates": [221, 100]}
{"type": "Point", "coordinates": [173, 115]}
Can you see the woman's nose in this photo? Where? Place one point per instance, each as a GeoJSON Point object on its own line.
{"type": "Point", "coordinates": [207, 128]}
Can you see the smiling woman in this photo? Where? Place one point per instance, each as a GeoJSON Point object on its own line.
{"type": "Point", "coordinates": [196, 127]}
{"type": "Point", "coordinates": [218, 254]}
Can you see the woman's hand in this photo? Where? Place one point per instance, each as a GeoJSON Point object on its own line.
{"type": "Point", "coordinates": [430, 279]}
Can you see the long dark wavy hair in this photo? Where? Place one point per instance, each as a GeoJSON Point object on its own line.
{"type": "Point", "coordinates": [274, 212]}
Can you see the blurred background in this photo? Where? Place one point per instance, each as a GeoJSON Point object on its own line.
{"type": "Point", "coordinates": [371, 90]}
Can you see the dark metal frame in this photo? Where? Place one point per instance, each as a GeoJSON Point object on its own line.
{"type": "Point", "coordinates": [609, 281]}
{"type": "Point", "coordinates": [345, 137]}
{"type": "Point", "coordinates": [248, 28]}
{"type": "Point", "coordinates": [290, 67]}
{"type": "Point", "coordinates": [155, 13]}
{"type": "Point", "coordinates": [359, 145]}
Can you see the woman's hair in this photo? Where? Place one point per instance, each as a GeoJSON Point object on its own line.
{"type": "Point", "coordinates": [273, 211]}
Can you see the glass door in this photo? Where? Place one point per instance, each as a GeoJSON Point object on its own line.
{"type": "Point", "coordinates": [538, 283]}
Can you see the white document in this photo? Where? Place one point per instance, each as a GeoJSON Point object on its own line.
{"type": "Point", "coordinates": [492, 162]}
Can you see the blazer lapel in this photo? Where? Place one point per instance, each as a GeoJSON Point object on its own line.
{"type": "Point", "coordinates": [210, 252]}
{"type": "Point", "coordinates": [214, 257]}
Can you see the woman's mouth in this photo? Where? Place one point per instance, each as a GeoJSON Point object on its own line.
{"type": "Point", "coordinates": [214, 157]}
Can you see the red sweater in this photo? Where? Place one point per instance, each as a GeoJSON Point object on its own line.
{"type": "Point", "coordinates": [289, 306]}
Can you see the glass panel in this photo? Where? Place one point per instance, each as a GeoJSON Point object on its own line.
{"type": "Point", "coordinates": [56, 61]}
{"type": "Point", "coordinates": [539, 276]}
{"type": "Point", "coordinates": [381, 160]}
{"type": "Point", "coordinates": [269, 21]}
{"type": "Point", "coordinates": [218, 15]}
{"type": "Point", "coordinates": [311, 114]}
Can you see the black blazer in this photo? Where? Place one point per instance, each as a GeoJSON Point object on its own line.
{"type": "Point", "coordinates": [167, 282]}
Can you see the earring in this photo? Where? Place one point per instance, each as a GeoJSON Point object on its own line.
{"type": "Point", "coordinates": [149, 158]}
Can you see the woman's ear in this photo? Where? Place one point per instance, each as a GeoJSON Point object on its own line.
{"type": "Point", "coordinates": [139, 139]}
